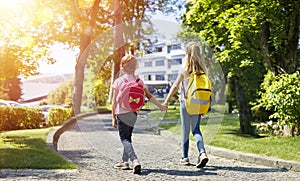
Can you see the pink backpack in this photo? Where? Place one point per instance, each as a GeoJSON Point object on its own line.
{"type": "Point", "coordinates": [131, 95]}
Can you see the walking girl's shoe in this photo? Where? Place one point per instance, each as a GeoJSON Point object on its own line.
{"type": "Point", "coordinates": [136, 166]}
{"type": "Point", "coordinates": [122, 165]}
{"type": "Point", "coordinates": [202, 160]}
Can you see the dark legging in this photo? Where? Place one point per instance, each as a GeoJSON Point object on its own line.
{"type": "Point", "coordinates": [126, 123]}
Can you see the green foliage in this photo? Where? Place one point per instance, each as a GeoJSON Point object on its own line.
{"type": "Point", "coordinates": [260, 113]}
{"type": "Point", "coordinates": [61, 95]}
{"type": "Point", "coordinates": [249, 37]}
{"type": "Point", "coordinates": [101, 91]}
{"type": "Point", "coordinates": [231, 30]}
{"type": "Point", "coordinates": [58, 115]}
{"type": "Point", "coordinates": [14, 118]}
{"type": "Point", "coordinates": [282, 97]}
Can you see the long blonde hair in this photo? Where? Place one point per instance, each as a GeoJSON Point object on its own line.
{"type": "Point", "coordinates": [194, 60]}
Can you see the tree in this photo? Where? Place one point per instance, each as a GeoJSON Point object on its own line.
{"type": "Point", "coordinates": [86, 35]}
{"type": "Point", "coordinates": [22, 43]}
{"type": "Point", "coordinates": [133, 12]}
{"type": "Point", "coordinates": [76, 23]}
{"type": "Point", "coordinates": [14, 88]}
{"type": "Point", "coordinates": [279, 32]}
{"type": "Point", "coordinates": [246, 35]}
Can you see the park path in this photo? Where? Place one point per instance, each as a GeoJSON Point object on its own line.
{"type": "Point", "coordinates": [94, 146]}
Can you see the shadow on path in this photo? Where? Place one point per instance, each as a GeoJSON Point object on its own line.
{"type": "Point", "coordinates": [209, 170]}
{"type": "Point", "coordinates": [177, 172]}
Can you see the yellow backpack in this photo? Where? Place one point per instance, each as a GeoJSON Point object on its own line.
{"type": "Point", "coordinates": [198, 94]}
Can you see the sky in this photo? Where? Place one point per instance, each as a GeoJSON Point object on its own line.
{"type": "Point", "coordinates": [66, 58]}
{"type": "Point", "coordinates": [65, 61]}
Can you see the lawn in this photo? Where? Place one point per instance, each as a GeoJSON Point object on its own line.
{"type": "Point", "coordinates": [224, 132]}
{"type": "Point", "coordinates": [228, 136]}
{"type": "Point", "coordinates": [28, 149]}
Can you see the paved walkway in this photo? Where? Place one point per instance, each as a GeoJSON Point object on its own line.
{"type": "Point", "coordinates": [94, 146]}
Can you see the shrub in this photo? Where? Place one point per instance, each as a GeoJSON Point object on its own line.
{"type": "Point", "coordinates": [282, 97]}
{"type": "Point", "coordinates": [58, 115]}
{"type": "Point", "coordinates": [101, 92]}
{"type": "Point", "coordinates": [271, 128]}
{"type": "Point", "coordinates": [14, 118]}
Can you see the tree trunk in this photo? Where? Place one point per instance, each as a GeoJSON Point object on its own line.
{"type": "Point", "coordinates": [85, 39]}
{"type": "Point", "coordinates": [292, 34]}
{"type": "Point", "coordinates": [283, 60]}
{"type": "Point", "coordinates": [245, 115]}
{"type": "Point", "coordinates": [267, 48]}
{"type": "Point", "coordinates": [79, 72]}
{"type": "Point", "coordinates": [118, 44]}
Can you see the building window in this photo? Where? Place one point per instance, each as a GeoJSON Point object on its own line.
{"type": "Point", "coordinates": [148, 64]}
{"type": "Point", "coordinates": [159, 49]}
{"type": "Point", "coordinates": [172, 77]}
{"type": "Point", "coordinates": [177, 61]}
{"type": "Point", "coordinates": [176, 47]}
{"type": "Point", "coordinates": [147, 77]}
{"type": "Point", "coordinates": [173, 47]}
{"type": "Point", "coordinates": [160, 77]}
{"type": "Point", "coordinates": [159, 63]}
{"type": "Point", "coordinates": [169, 48]}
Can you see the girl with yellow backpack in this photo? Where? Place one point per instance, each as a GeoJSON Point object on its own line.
{"type": "Point", "coordinates": [194, 97]}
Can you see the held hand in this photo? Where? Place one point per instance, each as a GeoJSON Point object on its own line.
{"type": "Point", "coordinates": [166, 105]}
{"type": "Point", "coordinates": [163, 108]}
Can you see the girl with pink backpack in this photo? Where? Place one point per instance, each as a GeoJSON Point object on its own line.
{"type": "Point", "coordinates": [128, 99]}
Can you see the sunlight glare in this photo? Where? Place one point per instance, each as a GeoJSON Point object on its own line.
{"type": "Point", "coordinates": [85, 4]}
{"type": "Point", "coordinates": [45, 14]}
{"type": "Point", "coordinates": [9, 3]}
{"type": "Point", "coordinates": [16, 8]}
{"type": "Point", "coordinates": [27, 42]}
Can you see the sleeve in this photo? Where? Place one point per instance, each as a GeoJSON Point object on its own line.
{"type": "Point", "coordinates": [117, 83]}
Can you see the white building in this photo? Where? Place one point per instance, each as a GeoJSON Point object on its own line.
{"type": "Point", "coordinates": [159, 69]}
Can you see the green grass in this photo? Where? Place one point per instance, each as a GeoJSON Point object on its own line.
{"type": "Point", "coordinates": [27, 149]}
{"type": "Point", "coordinates": [229, 137]}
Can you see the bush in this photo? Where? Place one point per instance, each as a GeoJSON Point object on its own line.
{"type": "Point", "coordinates": [282, 97]}
{"type": "Point", "coordinates": [270, 128]}
{"type": "Point", "coordinates": [14, 118]}
{"type": "Point", "coordinates": [58, 115]}
{"type": "Point", "coordinates": [61, 95]}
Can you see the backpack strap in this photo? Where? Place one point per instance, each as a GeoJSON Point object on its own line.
{"type": "Point", "coordinates": [184, 92]}
{"type": "Point", "coordinates": [124, 80]}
